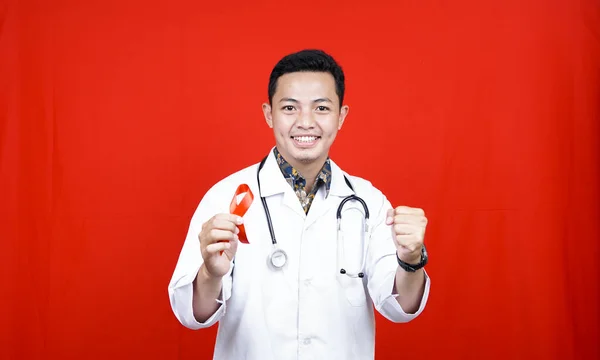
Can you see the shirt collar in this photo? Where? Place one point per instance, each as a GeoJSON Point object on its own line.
{"type": "Point", "coordinates": [293, 177]}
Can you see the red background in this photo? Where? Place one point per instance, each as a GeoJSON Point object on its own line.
{"type": "Point", "coordinates": [117, 116]}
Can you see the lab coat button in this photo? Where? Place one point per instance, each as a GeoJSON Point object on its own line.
{"type": "Point", "coordinates": [307, 282]}
{"type": "Point", "coordinates": [307, 341]}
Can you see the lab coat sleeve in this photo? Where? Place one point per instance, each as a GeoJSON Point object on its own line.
{"type": "Point", "coordinates": [180, 287]}
{"type": "Point", "coordinates": [381, 270]}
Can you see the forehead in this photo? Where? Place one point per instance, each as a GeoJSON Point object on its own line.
{"type": "Point", "coordinates": [305, 84]}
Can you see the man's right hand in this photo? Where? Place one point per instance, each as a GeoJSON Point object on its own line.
{"type": "Point", "coordinates": [219, 242]}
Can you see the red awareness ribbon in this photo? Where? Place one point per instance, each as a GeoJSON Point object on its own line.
{"type": "Point", "coordinates": [241, 208]}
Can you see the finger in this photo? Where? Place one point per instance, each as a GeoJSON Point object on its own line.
{"type": "Point", "coordinates": [218, 247]}
{"type": "Point", "coordinates": [215, 235]}
{"type": "Point", "coordinates": [407, 229]}
{"type": "Point", "coordinates": [406, 210]}
{"type": "Point", "coordinates": [233, 243]}
{"type": "Point", "coordinates": [408, 237]}
{"type": "Point", "coordinates": [410, 219]}
{"type": "Point", "coordinates": [410, 230]}
{"type": "Point", "coordinates": [223, 224]}
{"type": "Point", "coordinates": [238, 220]}
{"type": "Point", "coordinates": [390, 217]}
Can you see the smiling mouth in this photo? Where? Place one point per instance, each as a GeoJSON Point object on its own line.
{"type": "Point", "coordinates": [306, 139]}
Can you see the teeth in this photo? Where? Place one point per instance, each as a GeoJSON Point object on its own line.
{"type": "Point", "coordinates": [305, 138]}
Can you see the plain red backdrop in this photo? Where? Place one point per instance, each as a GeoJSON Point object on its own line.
{"type": "Point", "coordinates": [117, 116]}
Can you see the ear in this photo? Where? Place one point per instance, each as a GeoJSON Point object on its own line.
{"type": "Point", "coordinates": [343, 113]}
{"type": "Point", "coordinates": [268, 115]}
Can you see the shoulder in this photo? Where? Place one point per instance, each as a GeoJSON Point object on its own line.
{"type": "Point", "coordinates": [218, 197]}
{"type": "Point", "coordinates": [375, 199]}
{"type": "Point", "coordinates": [364, 188]}
{"type": "Point", "coordinates": [229, 184]}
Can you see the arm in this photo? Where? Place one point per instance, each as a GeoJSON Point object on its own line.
{"type": "Point", "coordinates": [410, 288]}
{"type": "Point", "coordinates": [398, 295]}
{"type": "Point", "coordinates": [218, 245]}
{"type": "Point", "coordinates": [408, 229]}
{"type": "Point", "coordinates": [207, 289]}
{"type": "Point", "coordinates": [198, 299]}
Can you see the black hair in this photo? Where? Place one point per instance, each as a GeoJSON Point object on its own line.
{"type": "Point", "coordinates": [308, 60]}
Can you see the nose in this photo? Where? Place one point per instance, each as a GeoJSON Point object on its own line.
{"type": "Point", "coordinates": [306, 120]}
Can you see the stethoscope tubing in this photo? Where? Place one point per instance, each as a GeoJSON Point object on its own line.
{"type": "Point", "coordinates": [276, 251]}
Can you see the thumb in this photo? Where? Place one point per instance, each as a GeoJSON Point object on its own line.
{"type": "Point", "coordinates": [390, 217]}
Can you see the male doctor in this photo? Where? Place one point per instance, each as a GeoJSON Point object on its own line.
{"type": "Point", "coordinates": [315, 298]}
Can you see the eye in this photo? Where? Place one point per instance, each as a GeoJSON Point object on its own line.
{"type": "Point", "coordinates": [322, 108]}
{"type": "Point", "coordinates": [288, 108]}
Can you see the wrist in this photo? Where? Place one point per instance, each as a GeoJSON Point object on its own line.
{"type": "Point", "coordinates": [206, 277]}
{"type": "Point", "coordinates": [410, 264]}
{"type": "Point", "coordinates": [408, 258]}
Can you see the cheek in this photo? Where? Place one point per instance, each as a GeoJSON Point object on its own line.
{"type": "Point", "coordinates": [280, 127]}
{"type": "Point", "coordinates": [284, 123]}
{"type": "Point", "coordinates": [330, 126]}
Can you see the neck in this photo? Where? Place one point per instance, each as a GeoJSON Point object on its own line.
{"type": "Point", "coordinates": [309, 172]}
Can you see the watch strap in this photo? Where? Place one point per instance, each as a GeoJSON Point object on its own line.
{"type": "Point", "coordinates": [414, 267]}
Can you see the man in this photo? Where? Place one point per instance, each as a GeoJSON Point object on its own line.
{"type": "Point", "coordinates": [315, 300]}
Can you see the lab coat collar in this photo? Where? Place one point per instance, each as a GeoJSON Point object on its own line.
{"type": "Point", "coordinates": [339, 189]}
{"type": "Point", "coordinates": [338, 183]}
{"type": "Point", "coordinates": [272, 181]}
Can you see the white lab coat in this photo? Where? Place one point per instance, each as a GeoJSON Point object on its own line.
{"type": "Point", "coordinates": [308, 310]}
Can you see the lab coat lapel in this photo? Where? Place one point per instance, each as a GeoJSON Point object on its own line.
{"type": "Point", "coordinates": [338, 190]}
{"type": "Point", "coordinates": [272, 182]}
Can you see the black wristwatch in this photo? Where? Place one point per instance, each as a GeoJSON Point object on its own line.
{"type": "Point", "coordinates": [415, 267]}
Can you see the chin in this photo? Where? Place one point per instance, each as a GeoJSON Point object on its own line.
{"type": "Point", "coordinates": [306, 159]}
{"type": "Point", "coordinates": [300, 155]}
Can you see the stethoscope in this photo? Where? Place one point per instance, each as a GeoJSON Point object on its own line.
{"type": "Point", "coordinates": [278, 257]}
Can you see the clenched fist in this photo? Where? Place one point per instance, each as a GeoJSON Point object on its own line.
{"type": "Point", "coordinates": [408, 230]}
{"type": "Point", "coordinates": [218, 243]}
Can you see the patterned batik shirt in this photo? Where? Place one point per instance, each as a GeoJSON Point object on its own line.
{"type": "Point", "coordinates": [298, 183]}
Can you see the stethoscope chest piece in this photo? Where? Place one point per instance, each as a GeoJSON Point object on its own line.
{"type": "Point", "coordinates": [278, 258]}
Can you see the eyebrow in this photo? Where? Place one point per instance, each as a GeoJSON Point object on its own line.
{"type": "Point", "coordinates": [319, 100]}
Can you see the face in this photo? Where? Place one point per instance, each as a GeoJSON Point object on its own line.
{"type": "Point", "coordinates": [305, 116]}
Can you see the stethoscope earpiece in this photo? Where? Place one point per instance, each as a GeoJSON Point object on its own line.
{"type": "Point", "coordinates": [360, 274]}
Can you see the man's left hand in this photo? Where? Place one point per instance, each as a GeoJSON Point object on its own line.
{"type": "Point", "coordinates": [408, 230]}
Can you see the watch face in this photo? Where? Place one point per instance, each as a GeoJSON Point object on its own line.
{"type": "Point", "coordinates": [424, 257]}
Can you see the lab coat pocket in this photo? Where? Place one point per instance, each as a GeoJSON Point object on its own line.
{"type": "Point", "coordinates": [352, 289]}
